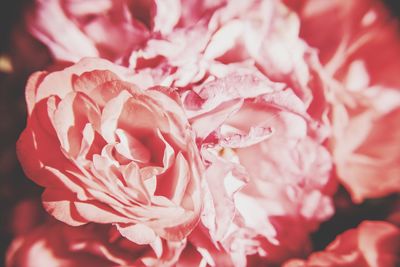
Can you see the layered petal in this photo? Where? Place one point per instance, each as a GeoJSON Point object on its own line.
{"type": "Point", "coordinates": [110, 153]}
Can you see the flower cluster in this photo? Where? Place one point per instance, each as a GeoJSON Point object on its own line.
{"type": "Point", "coordinates": [210, 133]}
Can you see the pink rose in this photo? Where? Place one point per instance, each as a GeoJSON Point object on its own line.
{"type": "Point", "coordinates": [58, 244]}
{"type": "Point", "coordinates": [105, 28]}
{"type": "Point", "coordinates": [349, 31]}
{"type": "Point", "coordinates": [109, 29]}
{"type": "Point", "coordinates": [245, 37]}
{"type": "Point", "coordinates": [266, 36]}
{"type": "Point", "coordinates": [262, 151]}
{"type": "Point", "coordinates": [365, 150]}
{"type": "Point", "coordinates": [39, 240]}
{"type": "Point", "coordinates": [371, 244]}
{"type": "Point", "coordinates": [364, 95]}
{"type": "Point", "coordinates": [109, 152]}
{"type": "Point", "coordinates": [264, 31]}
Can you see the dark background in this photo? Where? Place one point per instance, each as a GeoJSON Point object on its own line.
{"type": "Point", "coordinates": [15, 187]}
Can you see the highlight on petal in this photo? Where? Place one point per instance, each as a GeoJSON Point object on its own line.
{"type": "Point", "coordinates": [138, 233]}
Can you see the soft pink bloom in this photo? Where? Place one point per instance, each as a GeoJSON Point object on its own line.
{"type": "Point", "coordinates": [266, 32]}
{"type": "Point", "coordinates": [110, 29]}
{"type": "Point", "coordinates": [371, 244]}
{"type": "Point", "coordinates": [266, 35]}
{"type": "Point", "coordinates": [109, 152]}
{"type": "Point", "coordinates": [39, 240]}
{"type": "Point", "coordinates": [366, 152]}
{"type": "Point", "coordinates": [57, 244]}
{"type": "Point", "coordinates": [265, 109]}
{"type": "Point", "coordinates": [105, 28]}
{"type": "Point", "coordinates": [267, 171]}
{"type": "Point", "coordinates": [75, 29]}
{"type": "Point", "coordinates": [359, 45]}
{"type": "Point", "coordinates": [190, 58]}
{"type": "Point", "coordinates": [350, 31]}
{"type": "Point", "coordinates": [240, 36]}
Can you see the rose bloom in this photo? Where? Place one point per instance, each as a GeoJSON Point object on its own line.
{"type": "Point", "coordinates": [109, 29]}
{"type": "Point", "coordinates": [236, 32]}
{"type": "Point", "coordinates": [241, 36]}
{"type": "Point", "coordinates": [359, 45]}
{"type": "Point", "coordinates": [370, 244]}
{"type": "Point", "coordinates": [40, 240]}
{"type": "Point", "coordinates": [221, 69]}
{"type": "Point", "coordinates": [58, 244]}
{"type": "Point", "coordinates": [354, 92]}
{"type": "Point", "coordinates": [268, 176]}
{"type": "Point", "coordinates": [109, 152]}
